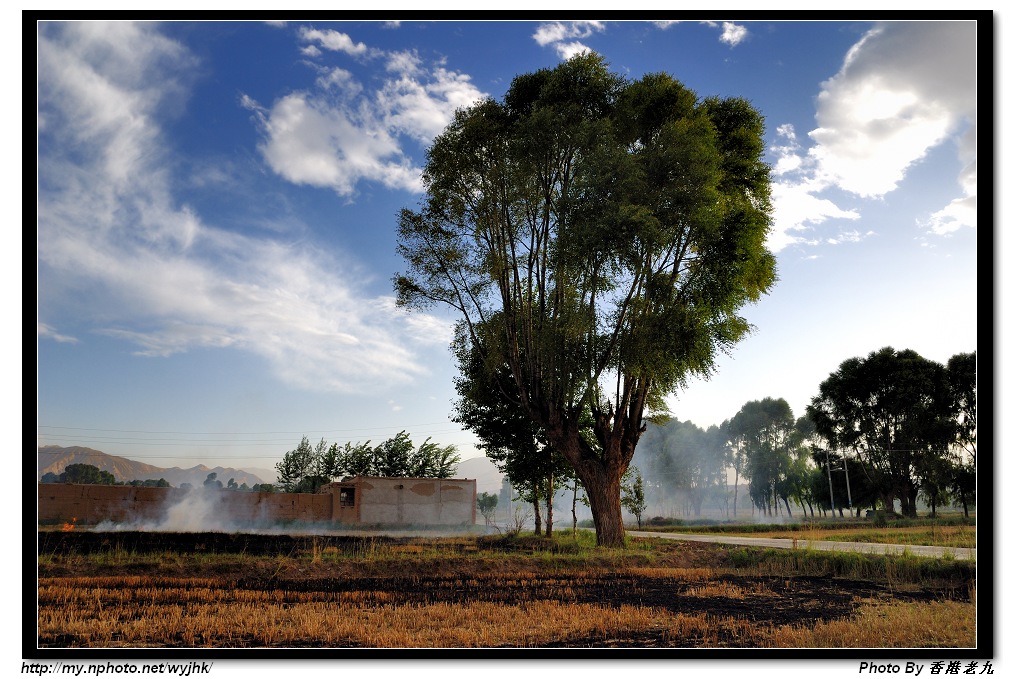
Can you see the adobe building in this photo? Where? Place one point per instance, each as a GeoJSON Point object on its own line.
{"type": "Point", "coordinates": [366, 501]}
{"type": "Point", "coordinates": [396, 501]}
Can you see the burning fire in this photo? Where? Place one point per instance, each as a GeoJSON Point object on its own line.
{"type": "Point", "coordinates": [70, 526]}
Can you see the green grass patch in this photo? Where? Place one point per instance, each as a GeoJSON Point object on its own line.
{"type": "Point", "coordinates": [903, 569]}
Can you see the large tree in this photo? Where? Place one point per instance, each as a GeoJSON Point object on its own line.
{"type": "Point", "coordinates": [681, 457]}
{"type": "Point", "coordinates": [893, 411]}
{"type": "Point", "coordinates": [771, 441]}
{"type": "Point", "coordinates": [607, 233]}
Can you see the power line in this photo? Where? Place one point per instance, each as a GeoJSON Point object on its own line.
{"type": "Point", "coordinates": [245, 433]}
{"type": "Point", "coordinates": [202, 443]}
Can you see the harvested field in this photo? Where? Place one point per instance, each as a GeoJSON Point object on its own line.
{"type": "Point", "coordinates": [220, 590]}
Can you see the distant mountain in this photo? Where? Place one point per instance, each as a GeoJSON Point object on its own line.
{"type": "Point", "coordinates": [488, 478]}
{"type": "Point", "coordinates": [56, 458]}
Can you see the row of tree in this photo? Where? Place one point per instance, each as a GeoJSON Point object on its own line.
{"type": "Point", "coordinates": [308, 467]}
{"type": "Point", "coordinates": [90, 474]}
{"type": "Point", "coordinates": [892, 426]}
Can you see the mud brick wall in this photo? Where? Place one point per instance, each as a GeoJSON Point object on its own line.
{"type": "Point", "coordinates": [122, 504]}
{"type": "Point", "coordinates": [395, 501]}
{"type": "Point", "coordinates": [378, 501]}
{"type": "Point", "coordinates": [94, 503]}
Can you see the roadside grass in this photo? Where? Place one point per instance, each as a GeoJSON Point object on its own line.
{"type": "Point", "coordinates": [945, 532]}
{"type": "Point", "coordinates": [902, 570]}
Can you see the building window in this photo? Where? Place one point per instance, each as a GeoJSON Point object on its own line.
{"type": "Point", "coordinates": [347, 497]}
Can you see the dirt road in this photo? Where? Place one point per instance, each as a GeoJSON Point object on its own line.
{"type": "Point", "coordinates": [785, 543]}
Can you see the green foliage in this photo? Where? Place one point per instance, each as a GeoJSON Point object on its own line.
{"type": "Point", "coordinates": [487, 505]}
{"type": "Point", "coordinates": [307, 468]}
{"type": "Point", "coordinates": [897, 412]}
{"type": "Point", "coordinates": [87, 474]}
{"type": "Point", "coordinates": [682, 457]}
{"type": "Point", "coordinates": [632, 496]}
{"type": "Point", "coordinates": [149, 483]}
{"type": "Point", "coordinates": [597, 238]}
{"type": "Point", "coordinates": [770, 445]}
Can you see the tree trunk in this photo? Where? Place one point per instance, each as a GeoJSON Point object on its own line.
{"type": "Point", "coordinates": [549, 506]}
{"type": "Point", "coordinates": [599, 471]}
{"type": "Point", "coordinates": [911, 510]}
{"type": "Point", "coordinates": [539, 518]}
{"type": "Point", "coordinates": [785, 501]}
{"type": "Point", "coordinates": [604, 499]}
{"type": "Point", "coordinates": [574, 509]}
{"type": "Point", "coordinates": [549, 517]}
{"type": "Point", "coordinates": [736, 489]}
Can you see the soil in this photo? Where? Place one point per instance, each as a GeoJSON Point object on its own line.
{"type": "Point", "coordinates": [767, 600]}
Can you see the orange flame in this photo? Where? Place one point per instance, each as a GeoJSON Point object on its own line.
{"type": "Point", "coordinates": [70, 526]}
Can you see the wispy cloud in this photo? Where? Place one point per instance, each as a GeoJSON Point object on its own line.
{"type": "Point", "coordinates": [45, 331]}
{"type": "Point", "coordinates": [165, 278]}
{"type": "Point", "coordinates": [903, 89]}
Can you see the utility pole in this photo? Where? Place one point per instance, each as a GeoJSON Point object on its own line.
{"type": "Point", "coordinates": [828, 467]}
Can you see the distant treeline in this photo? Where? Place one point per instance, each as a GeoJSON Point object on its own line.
{"type": "Point", "coordinates": [92, 475]}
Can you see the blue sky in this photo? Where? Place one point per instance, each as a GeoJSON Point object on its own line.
{"type": "Point", "coordinates": [217, 214]}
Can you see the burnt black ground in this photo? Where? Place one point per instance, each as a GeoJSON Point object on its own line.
{"type": "Point", "coordinates": [763, 600]}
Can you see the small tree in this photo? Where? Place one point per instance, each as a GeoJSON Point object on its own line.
{"type": "Point", "coordinates": [633, 494]}
{"type": "Point", "coordinates": [212, 481]}
{"type": "Point", "coordinates": [487, 505]}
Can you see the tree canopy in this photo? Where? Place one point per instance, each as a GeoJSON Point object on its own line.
{"type": "Point", "coordinates": [894, 411]}
{"type": "Point", "coordinates": [306, 468]}
{"type": "Point", "coordinates": [598, 237]}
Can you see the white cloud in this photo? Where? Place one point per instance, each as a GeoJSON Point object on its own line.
{"type": "Point", "coordinates": [156, 273]}
{"type": "Point", "coordinates": [561, 36]}
{"type": "Point", "coordinates": [311, 141]}
{"type": "Point", "coordinates": [732, 34]}
{"type": "Point", "coordinates": [341, 133]}
{"type": "Point", "coordinates": [797, 209]}
{"type": "Point", "coordinates": [853, 236]}
{"type": "Point", "coordinates": [333, 40]}
{"type": "Point", "coordinates": [904, 89]}
{"type": "Point", "coordinates": [961, 211]}
{"type": "Point", "coordinates": [566, 50]}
